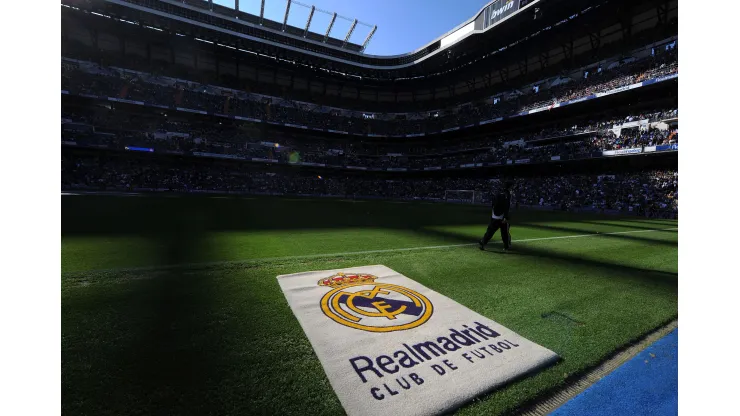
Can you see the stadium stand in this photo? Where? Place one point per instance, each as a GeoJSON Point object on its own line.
{"type": "Point", "coordinates": [86, 78]}
{"type": "Point", "coordinates": [122, 102]}
{"type": "Point", "coordinates": [159, 134]}
{"type": "Point", "coordinates": [655, 191]}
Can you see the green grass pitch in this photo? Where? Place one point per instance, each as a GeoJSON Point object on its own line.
{"type": "Point", "coordinates": [215, 335]}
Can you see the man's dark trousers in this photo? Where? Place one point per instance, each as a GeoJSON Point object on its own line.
{"type": "Point", "coordinates": [493, 226]}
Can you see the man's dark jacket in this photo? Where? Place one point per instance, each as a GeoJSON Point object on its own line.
{"type": "Point", "coordinates": [501, 203]}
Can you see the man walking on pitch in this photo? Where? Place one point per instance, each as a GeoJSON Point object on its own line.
{"type": "Point", "coordinates": [499, 218]}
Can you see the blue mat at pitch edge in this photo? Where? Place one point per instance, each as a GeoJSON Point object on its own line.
{"type": "Point", "coordinates": [645, 385]}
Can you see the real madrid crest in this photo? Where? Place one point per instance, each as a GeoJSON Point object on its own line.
{"type": "Point", "coordinates": [356, 301]}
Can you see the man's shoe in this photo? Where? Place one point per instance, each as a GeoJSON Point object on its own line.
{"type": "Point", "coordinates": [481, 246]}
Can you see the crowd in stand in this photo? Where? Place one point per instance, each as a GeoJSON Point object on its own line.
{"type": "Point", "coordinates": [118, 130]}
{"type": "Point", "coordinates": [87, 78]}
{"type": "Point", "coordinates": [655, 191]}
{"type": "Point", "coordinates": [607, 80]}
{"type": "Point", "coordinates": [635, 138]}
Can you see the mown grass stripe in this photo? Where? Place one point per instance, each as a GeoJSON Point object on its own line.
{"type": "Point", "coordinates": [349, 253]}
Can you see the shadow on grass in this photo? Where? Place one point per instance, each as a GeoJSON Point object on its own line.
{"type": "Point", "coordinates": [110, 215]}
{"type": "Point", "coordinates": [624, 237]}
{"type": "Point", "coordinates": [635, 226]}
{"type": "Point", "coordinates": [655, 276]}
{"type": "Point", "coordinates": [151, 347]}
{"type": "Point", "coordinates": [658, 222]}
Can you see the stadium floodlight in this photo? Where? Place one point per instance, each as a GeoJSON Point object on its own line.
{"type": "Point", "coordinates": [308, 23]}
{"type": "Point", "coordinates": [262, 12]}
{"type": "Point", "coordinates": [331, 24]}
{"type": "Point", "coordinates": [367, 39]}
{"type": "Point", "coordinates": [351, 29]}
{"type": "Point", "coordinates": [287, 12]}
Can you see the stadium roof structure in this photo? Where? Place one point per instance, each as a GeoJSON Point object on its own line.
{"type": "Point", "coordinates": [214, 22]}
{"type": "Point", "coordinates": [507, 40]}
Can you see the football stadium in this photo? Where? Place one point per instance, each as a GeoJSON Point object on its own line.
{"type": "Point", "coordinates": [263, 215]}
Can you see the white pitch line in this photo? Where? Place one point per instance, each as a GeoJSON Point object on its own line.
{"type": "Point", "coordinates": [347, 253]}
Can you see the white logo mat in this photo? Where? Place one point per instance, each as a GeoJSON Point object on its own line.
{"type": "Point", "coordinates": [391, 346]}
